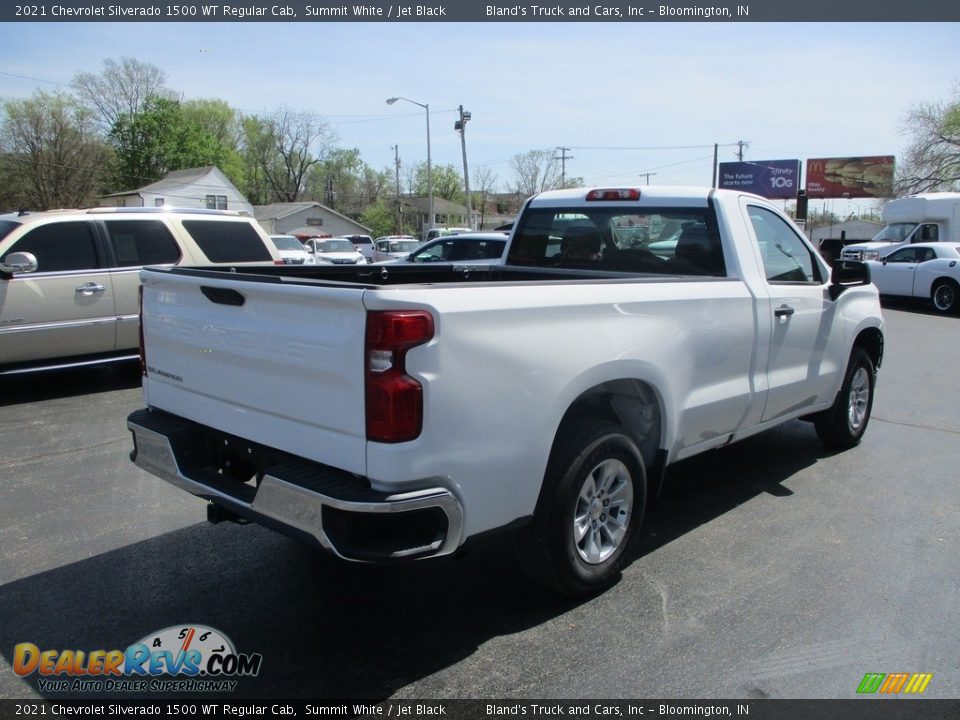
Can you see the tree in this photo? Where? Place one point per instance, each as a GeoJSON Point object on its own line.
{"type": "Point", "coordinates": [380, 218]}
{"type": "Point", "coordinates": [932, 160]}
{"type": "Point", "coordinates": [222, 124]}
{"type": "Point", "coordinates": [162, 138]}
{"type": "Point", "coordinates": [279, 149]}
{"type": "Point", "coordinates": [52, 154]}
{"type": "Point", "coordinates": [121, 89]}
{"type": "Point", "coordinates": [344, 182]}
{"type": "Point", "coordinates": [484, 180]}
{"type": "Point", "coordinates": [447, 182]}
{"type": "Point", "coordinates": [535, 171]}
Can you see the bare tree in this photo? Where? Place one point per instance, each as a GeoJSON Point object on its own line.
{"type": "Point", "coordinates": [535, 171]}
{"type": "Point", "coordinates": [120, 89]}
{"type": "Point", "coordinates": [282, 146]}
{"type": "Point", "coordinates": [932, 161]}
{"type": "Point", "coordinates": [484, 180]}
{"type": "Point", "coordinates": [53, 152]}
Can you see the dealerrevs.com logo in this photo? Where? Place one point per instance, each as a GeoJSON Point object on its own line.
{"type": "Point", "coordinates": [181, 658]}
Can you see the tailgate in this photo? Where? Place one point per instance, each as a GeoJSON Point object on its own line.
{"type": "Point", "coordinates": [278, 363]}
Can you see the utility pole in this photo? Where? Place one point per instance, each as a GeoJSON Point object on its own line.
{"type": "Point", "coordinates": [396, 163]}
{"type": "Point", "coordinates": [461, 126]}
{"type": "Point", "coordinates": [563, 164]}
{"type": "Point", "coordinates": [646, 176]}
{"type": "Point", "coordinates": [741, 145]}
{"type": "Point", "coordinates": [713, 179]}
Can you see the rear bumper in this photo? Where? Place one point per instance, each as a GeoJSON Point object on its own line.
{"type": "Point", "coordinates": [307, 500]}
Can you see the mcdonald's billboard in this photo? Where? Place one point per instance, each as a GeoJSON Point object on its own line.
{"type": "Point", "coordinates": [850, 177]}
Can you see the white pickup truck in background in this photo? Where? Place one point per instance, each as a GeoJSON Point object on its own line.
{"type": "Point", "coordinates": [394, 412]}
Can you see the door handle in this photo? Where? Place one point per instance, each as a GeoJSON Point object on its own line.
{"type": "Point", "coordinates": [783, 311]}
{"type": "Point", "coordinates": [90, 288]}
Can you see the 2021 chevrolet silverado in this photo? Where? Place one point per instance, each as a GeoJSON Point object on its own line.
{"type": "Point", "coordinates": [396, 411]}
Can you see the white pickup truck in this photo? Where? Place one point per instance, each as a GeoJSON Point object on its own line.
{"type": "Point", "coordinates": [397, 411]}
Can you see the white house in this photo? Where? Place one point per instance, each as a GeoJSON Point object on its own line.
{"type": "Point", "coordinates": [306, 219]}
{"type": "Point", "coordinates": [204, 187]}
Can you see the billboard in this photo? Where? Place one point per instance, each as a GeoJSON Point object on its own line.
{"type": "Point", "coordinates": [850, 177]}
{"type": "Point", "coordinates": [768, 178]}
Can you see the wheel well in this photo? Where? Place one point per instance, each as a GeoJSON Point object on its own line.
{"type": "Point", "coordinates": [631, 404]}
{"type": "Point", "coordinates": [871, 340]}
{"type": "Point", "coordinates": [944, 279]}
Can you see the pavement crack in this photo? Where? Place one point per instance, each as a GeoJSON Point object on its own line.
{"type": "Point", "coordinates": [917, 425]}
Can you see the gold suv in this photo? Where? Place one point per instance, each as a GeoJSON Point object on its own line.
{"type": "Point", "coordinates": [69, 278]}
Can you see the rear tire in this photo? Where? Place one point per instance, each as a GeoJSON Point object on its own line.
{"type": "Point", "coordinates": [843, 425]}
{"type": "Point", "coordinates": [945, 296]}
{"type": "Point", "coordinates": [590, 509]}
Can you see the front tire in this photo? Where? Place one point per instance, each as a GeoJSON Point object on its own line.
{"type": "Point", "coordinates": [944, 296]}
{"type": "Point", "coordinates": [843, 425]}
{"type": "Point", "coordinates": [590, 509]}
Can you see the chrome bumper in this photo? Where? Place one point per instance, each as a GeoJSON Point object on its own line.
{"type": "Point", "coordinates": [330, 506]}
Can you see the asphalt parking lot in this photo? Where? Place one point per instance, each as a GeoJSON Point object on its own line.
{"type": "Point", "coordinates": [771, 568]}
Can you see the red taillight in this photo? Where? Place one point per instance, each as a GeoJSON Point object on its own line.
{"type": "Point", "coordinates": [614, 194]}
{"type": "Point", "coordinates": [143, 354]}
{"type": "Point", "coordinates": [394, 400]}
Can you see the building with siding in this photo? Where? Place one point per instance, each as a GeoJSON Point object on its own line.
{"type": "Point", "coordinates": [306, 219]}
{"type": "Point", "coordinates": [204, 187]}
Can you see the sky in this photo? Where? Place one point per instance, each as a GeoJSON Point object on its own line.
{"type": "Point", "coordinates": [628, 99]}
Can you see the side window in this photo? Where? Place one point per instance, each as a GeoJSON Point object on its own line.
{"type": "Point", "coordinates": [142, 242]}
{"type": "Point", "coordinates": [225, 241]}
{"type": "Point", "coordinates": [904, 255]}
{"type": "Point", "coordinates": [786, 258]}
{"type": "Point", "coordinates": [60, 247]}
{"type": "Point", "coordinates": [928, 233]}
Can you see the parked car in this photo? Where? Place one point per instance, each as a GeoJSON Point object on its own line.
{"type": "Point", "coordinates": [69, 279]}
{"type": "Point", "coordinates": [922, 270]}
{"type": "Point", "coordinates": [292, 251]}
{"type": "Point", "coordinates": [363, 243]}
{"type": "Point", "coordinates": [467, 248]}
{"type": "Point", "coordinates": [334, 251]}
{"type": "Point", "coordinates": [434, 233]}
{"type": "Point", "coordinates": [394, 247]}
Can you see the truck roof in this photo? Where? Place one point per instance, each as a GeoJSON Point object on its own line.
{"type": "Point", "coordinates": [687, 196]}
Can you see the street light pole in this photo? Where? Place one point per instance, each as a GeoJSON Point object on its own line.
{"type": "Point", "coordinates": [425, 106]}
{"type": "Point", "coordinates": [461, 125]}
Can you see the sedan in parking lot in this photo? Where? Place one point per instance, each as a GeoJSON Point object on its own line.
{"type": "Point", "coordinates": [394, 247]}
{"type": "Point", "coordinates": [291, 250]}
{"type": "Point", "coordinates": [334, 251]}
{"type": "Point", "coordinates": [466, 248]}
{"type": "Point", "coordinates": [922, 270]}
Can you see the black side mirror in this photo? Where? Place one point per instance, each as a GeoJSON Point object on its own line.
{"type": "Point", "coordinates": [847, 274]}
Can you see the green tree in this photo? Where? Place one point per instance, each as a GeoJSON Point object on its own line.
{"type": "Point", "coordinates": [52, 156]}
{"type": "Point", "coordinates": [932, 160]}
{"type": "Point", "coordinates": [223, 125]}
{"type": "Point", "coordinates": [162, 138]}
{"type": "Point", "coordinates": [380, 218]}
{"type": "Point", "coordinates": [447, 182]}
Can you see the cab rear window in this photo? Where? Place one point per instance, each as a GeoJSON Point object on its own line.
{"type": "Point", "coordinates": [224, 242]}
{"type": "Point", "coordinates": [662, 241]}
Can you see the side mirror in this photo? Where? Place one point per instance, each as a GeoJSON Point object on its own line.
{"type": "Point", "coordinates": [847, 274]}
{"type": "Point", "coordinates": [19, 262]}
